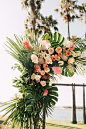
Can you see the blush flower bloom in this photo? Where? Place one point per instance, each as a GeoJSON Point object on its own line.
{"type": "Point", "coordinates": [71, 47]}
{"type": "Point", "coordinates": [45, 43]}
{"type": "Point", "coordinates": [45, 92]}
{"type": "Point", "coordinates": [26, 43]}
{"type": "Point", "coordinates": [37, 69]}
{"type": "Point", "coordinates": [51, 50]}
{"type": "Point", "coordinates": [57, 70]}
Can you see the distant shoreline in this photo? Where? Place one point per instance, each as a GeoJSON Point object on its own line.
{"type": "Point", "coordinates": [70, 108]}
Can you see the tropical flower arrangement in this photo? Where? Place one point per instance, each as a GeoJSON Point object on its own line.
{"type": "Point", "coordinates": [39, 61]}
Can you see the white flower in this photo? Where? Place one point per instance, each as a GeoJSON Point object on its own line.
{"type": "Point", "coordinates": [67, 44]}
{"type": "Point", "coordinates": [37, 77]}
{"type": "Point", "coordinates": [19, 95]}
{"type": "Point", "coordinates": [33, 76]}
{"type": "Point", "coordinates": [64, 58]}
{"type": "Point", "coordinates": [48, 60]}
{"type": "Point", "coordinates": [61, 63]}
{"type": "Point", "coordinates": [34, 58]}
{"type": "Point", "coordinates": [51, 82]}
{"type": "Point", "coordinates": [71, 60]}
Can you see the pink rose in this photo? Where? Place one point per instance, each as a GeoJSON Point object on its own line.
{"type": "Point", "coordinates": [26, 43]}
{"type": "Point", "coordinates": [45, 92]}
{"type": "Point", "coordinates": [57, 70]}
{"type": "Point", "coordinates": [37, 69]}
{"type": "Point", "coordinates": [71, 47]}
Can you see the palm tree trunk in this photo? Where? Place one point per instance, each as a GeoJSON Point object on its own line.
{"type": "Point", "coordinates": [68, 31]}
{"type": "Point", "coordinates": [68, 24]}
{"type": "Point", "coordinates": [32, 3]}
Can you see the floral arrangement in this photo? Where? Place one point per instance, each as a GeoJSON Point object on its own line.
{"type": "Point", "coordinates": [39, 61]}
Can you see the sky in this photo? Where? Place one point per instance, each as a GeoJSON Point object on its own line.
{"type": "Point", "coordinates": [12, 22]}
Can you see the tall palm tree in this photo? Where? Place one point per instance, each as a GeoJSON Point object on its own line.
{"type": "Point", "coordinates": [35, 20]}
{"type": "Point", "coordinates": [68, 12]}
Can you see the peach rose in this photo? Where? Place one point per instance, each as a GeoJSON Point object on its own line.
{"type": "Point", "coordinates": [26, 43]}
{"type": "Point", "coordinates": [47, 70]}
{"type": "Point", "coordinates": [45, 92]}
{"type": "Point", "coordinates": [42, 72]}
{"type": "Point", "coordinates": [51, 50]}
{"type": "Point", "coordinates": [58, 49]}
{"type": "Point", "coordinates": [45, 66]}
{"type": "Point", "coordinates": [43, 83]}
{"type": "Point", "coordinates": [60, 54]}
{"type": "Point", "coordinates": [57, 70]}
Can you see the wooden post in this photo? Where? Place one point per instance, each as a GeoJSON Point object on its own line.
{"type": "Point", "coordinates": [43, 117]}
{"type": "Point", "coordinates": [73, 106]}
{"type": "Point", "coordinates": [84, 121]}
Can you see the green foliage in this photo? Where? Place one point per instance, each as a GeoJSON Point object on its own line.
{"type": "Point", "coordinates": [55, 39]}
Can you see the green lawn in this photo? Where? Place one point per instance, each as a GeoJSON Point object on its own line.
{"type": "Point", "coordinates": [52, 124]}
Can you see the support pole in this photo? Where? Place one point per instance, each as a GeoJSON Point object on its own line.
{"type": "Point", "coordinates": [84, 121]}
{"type": "Point", "coordinates": [43, 117]}
{"type": "Point", "coordinates": [73, 106]}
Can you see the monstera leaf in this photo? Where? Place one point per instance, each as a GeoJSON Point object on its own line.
{"type": "Point", "coordinates": [55, 39]}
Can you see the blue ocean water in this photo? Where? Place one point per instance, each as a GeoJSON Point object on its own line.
{"type": "Point", "coordinates": [62, 114]}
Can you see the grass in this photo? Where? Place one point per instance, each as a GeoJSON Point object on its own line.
{"type": "Point", "coordinates": [53, 124]}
